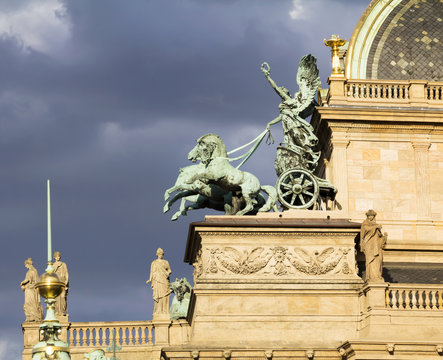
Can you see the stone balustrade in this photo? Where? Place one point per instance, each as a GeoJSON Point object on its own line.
{"type": "Point", "coordinates": [137, 340]}
{"type": "Point", "coordinates": [414, 93]}
{"type": "Point", "coordinates": [414, 297]}
{"type": "Point", "coordinates": [127, 333]}
{"type": "Point", "coordinates": [434, 91]}
{"type": "Point", "coordinates": [371, 90]}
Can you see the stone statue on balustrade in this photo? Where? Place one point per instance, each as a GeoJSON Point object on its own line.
{"type": "Point", "coordinates": [180, 302]}
{"type": "Point", "coordinates": [159, 279]}
{"type": "Point", "coordinates": [32, 307]}
{"type": "Point", "coordinates": [61, 270]}
{"type": "Point", "coordinates": [372, 243]}
{"type": "Point", "coordinates": [97, 354]}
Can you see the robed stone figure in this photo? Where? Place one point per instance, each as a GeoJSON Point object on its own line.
{"type": "Point", "coordinates": [159, 279]}
{"type": "Point", "coordinates": [32, 307]}
{"type": "Point", "coordinates": [61, 270]}
{"type": "Point", "coordinates": [372, 242]}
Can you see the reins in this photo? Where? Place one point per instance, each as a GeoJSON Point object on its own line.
{"type": "Point", "coordinates": [256, 143]}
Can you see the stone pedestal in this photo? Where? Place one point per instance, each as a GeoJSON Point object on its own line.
{"type": "Point", "coordinates": [178, 332]}
{"type": "Point", "coordinates": [31, 335]}
{"type": "Point", "coordinates": [161, 330]}
{"type": "Point", "coordinates": [273, 280]}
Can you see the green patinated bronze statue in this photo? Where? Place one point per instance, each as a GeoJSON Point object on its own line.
{"type": "Point", "coordinates": [298, 133]}
{"type": "Point", "coordinates": [216, 184]}
{"type": "Point", "coordinates": [182, 296]}
{"type": "Point", "coordinates": [297, 158]}
{"type": "Point", "coordinates": [96, 354]}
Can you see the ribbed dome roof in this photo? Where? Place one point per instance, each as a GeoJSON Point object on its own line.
{"type": "Point", "coordinates": [398, 40]}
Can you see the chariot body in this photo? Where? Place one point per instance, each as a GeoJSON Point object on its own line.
{"type": "Point", "coordinates": [297, 186]}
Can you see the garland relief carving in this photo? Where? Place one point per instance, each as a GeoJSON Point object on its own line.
{"type": "Point", "coordinates": [280, 261]}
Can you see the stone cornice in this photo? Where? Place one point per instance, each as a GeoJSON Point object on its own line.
{"type": "Point", "coordinates": [268, 234]}
{"type": "Point", "coordinates": [371, 114]}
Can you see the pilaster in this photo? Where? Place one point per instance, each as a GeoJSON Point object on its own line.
{"type": "Point", "coordinates": [422, 186]}
{"type": "Point", "coordinates": [340, 143]}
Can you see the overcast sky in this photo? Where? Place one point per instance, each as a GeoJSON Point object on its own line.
{"type": "Point", "coordinates": [106, 98]}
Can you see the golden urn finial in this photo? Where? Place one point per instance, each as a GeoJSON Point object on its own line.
{"type": "Point", "coordinates": [335, 43]}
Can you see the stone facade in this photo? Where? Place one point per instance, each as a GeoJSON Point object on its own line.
{"type": "Point", "coordinates": [390, 160]}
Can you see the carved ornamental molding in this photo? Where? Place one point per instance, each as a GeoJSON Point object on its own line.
{"type": "Point", "coordinates": [277, 261]}
{"type": "Point", "coordinates": [269, 234]}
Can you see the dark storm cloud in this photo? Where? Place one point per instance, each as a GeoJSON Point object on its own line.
{"type": "Point", "coordinates": [109, 116]}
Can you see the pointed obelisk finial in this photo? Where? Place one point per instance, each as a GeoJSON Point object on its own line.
{"type": "Point", "coordinates": [49, 269]}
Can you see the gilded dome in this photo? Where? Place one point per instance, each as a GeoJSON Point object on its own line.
{"type": "Point", "coordinates": [398, 40]}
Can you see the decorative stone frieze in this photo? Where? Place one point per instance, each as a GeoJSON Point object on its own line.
{"type": "Point", "coordinates": [277, 261]}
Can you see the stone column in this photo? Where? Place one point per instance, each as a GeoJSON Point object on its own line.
{"type": "Point", "coordinates": [422, 187]}
{"type": "Point", "coordinates": [340, 143]}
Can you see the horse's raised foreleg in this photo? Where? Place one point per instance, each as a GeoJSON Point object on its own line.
{"type": "Point", "coordinates": [184, 209]}
{"type": "Point", "coordinates": [169, 191]}
{"type": "Point", "coordinates": [184, 187]}
{"type": "Point", "coordinates": [180, 195]}
{"type": "Point", "coordinates": [180, 211]}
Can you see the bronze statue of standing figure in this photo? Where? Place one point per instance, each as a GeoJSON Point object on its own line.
{"type": "Point", "coordinates": [32, 307]}
{"type": "Point", "coordinates": [372, 243]}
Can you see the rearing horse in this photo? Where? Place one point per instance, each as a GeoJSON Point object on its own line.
{"type": "Point", "coordinates": [211, 151]}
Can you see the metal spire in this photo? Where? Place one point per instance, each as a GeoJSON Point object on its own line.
{"type": "Point", "coordinates": [49, 268]}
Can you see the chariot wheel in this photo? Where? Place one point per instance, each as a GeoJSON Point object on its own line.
{"type": "Point", "coordinates": [297, 189]}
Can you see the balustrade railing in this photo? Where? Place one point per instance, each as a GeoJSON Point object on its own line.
{"type": "Point", "coordinates": [414, 297]}
{"type": "Point", "coordinates": [434, 91]}
{"type": "Point", "coordinates": [129, 333]}
{"type": "Point", "coordinates": [377, 90]}
{"type": "Point", "coordinates": [386, 92]}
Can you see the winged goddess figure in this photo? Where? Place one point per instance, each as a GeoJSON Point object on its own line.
{"type": "Point", "coordinates": [298, 133]}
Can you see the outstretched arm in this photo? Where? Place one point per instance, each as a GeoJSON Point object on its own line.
{"type": "Point", "coordinates": [267, 71]}
{"type": "Point", "coordinates": [275, 121]}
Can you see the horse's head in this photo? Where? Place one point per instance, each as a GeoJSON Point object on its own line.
{"type": "Point", "coordinates": [209, 147]}
{"type": "Point", "coordinates": [180, 287]}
